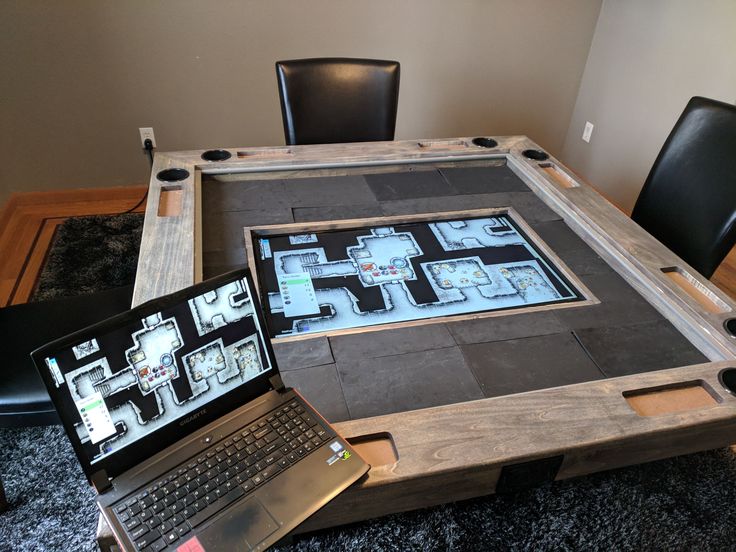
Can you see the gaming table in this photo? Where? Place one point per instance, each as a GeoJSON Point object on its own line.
{"type": "Point", "coordinates": [453, 405]}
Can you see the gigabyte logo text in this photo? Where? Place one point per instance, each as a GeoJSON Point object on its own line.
{"type": "Point", "coordinates": [192, 417]}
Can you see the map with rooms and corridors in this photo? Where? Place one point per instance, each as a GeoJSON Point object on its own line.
{"type": "Point", "coordinates": [135, 379]}
{"type": "Point", "coordinates": [349, 278]}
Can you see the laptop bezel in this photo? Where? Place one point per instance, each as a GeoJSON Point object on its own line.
{"type": "Point", "coordinates": [142, 449]}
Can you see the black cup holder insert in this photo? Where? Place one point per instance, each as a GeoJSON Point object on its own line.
{"type": "Point", "coordinates": [730, 325]}
{"type": "Point", "coordinates": [727, 377]}
{"type": "Point", "coordinates": [216, 155]}
{"type": "Point", "coordinates": [485, 142]}
{"type": "Point", "coordinates": [537, 155]}
{"type": "Point", "coordinates": [173, 175]}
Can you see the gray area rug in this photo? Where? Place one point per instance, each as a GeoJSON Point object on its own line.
{"type": "Point", "coordinates": [685, 503]}
{"type": "Point", "coordinates": [90, 254]}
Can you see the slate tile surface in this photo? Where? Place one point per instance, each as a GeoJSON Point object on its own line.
{"type": "Point", "coordinates": [398, 383]}
{"type": "Point", "coordinates": [228, 257]}
{"type": "Point", "coordinates": [320, 385]}
{"type": "Point", "coordinates": [531, 208]}
{"type": "Point", "coordinates": [409, 184]}
{"type": "Point", "coordinates": [620, 305]}
{"type": "Point", "coordinates": [573, 250]}
{"type": "Point", "coordinates": [507, 354]}
{"type": "Point", "coordinates": [519, 365]}
{"type": "Point", "coordinates": [224, 231]}
{"type": "Point", "coordinates": [328, 191]}
{"type": "Point", "coordinates": [559, 236]}
{"type": "Point", "coordinates": [210, 271]}
{"type": "Point", "coordinates": [336, 212]}
{"type": "Point", "coordinates": [220, 197]}
{"type": "Point", "coordinates": [380, 343]}
{"type": "Point", "coordinates": [482, 180]}
{"type": "Point", "coordinates": [445, 203]}
{"type": "Point", "coordinates": [293, 355]}
{"type": "Point", "coordinates": [585, 261]}
{"type": "Point", "coordinates": [625, 350]}
{"type": "Point", "coordinates": [500, 328]}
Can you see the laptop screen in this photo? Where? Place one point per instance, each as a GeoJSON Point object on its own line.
{"type": "Point", "coordinates": [118, 383]}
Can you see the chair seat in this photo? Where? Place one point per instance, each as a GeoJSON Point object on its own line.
{"type": "Point", "coordinates": [23, 397]}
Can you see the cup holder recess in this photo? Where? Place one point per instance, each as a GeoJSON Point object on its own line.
{"type": "Point", "coordinates": [727, 377]}
{"type": "Point", "coordinates": [485, 142]}
{"type": "Point", "coordinates": [216, 155]}
{"type": "Point", "coordinates": [172, 175]}
{"type": "Point", "coordinates": [730, 325]}
{"type": "Point", "coordinates": [536, 155]}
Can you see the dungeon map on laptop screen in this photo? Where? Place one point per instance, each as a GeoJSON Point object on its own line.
{"type": "Point", "coordinates": [338, 279]}
{"type": "Point", "coordinates": [130, 381]}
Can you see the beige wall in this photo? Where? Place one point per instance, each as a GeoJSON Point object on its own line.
{"type": "Point", "coordinates": [647, 59]}
{"type": "Point", "coordinates": [79, 78]}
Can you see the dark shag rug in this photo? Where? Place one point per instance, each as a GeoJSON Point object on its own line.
{"type": "Point", "coordinates": [685, 503]}
{"type": "Point", "coordinates": [90, 254]}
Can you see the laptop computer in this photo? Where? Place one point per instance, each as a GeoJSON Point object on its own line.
{"type": "Point", "coordinates": [180, 419]}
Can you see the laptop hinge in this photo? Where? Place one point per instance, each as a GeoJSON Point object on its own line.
{"type": "Point", "coordinates": [101, 482]}
{"type": "Point", "coordinates": [276, 382]}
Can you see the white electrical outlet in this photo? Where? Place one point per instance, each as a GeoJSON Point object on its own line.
{"type": "Point", "coordinates": [586, 132]}
{"type": "Point", "coordinates": [147, 134]}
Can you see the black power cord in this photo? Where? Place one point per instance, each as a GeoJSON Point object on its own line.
{"type": "Point", "coordinates": [148, 146]}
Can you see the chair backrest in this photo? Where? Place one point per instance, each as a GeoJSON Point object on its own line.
{"type": "Point", "coordinates": [688, 201]}
{"type": "Point", "coordinates": [333, 100]}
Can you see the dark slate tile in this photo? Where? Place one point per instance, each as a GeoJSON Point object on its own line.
{"type": "Point", "coordinates": [611, 287]}
{"type": "Point", "coordinates": [531, 208]}
{"type": "Point", "coordinates": [225, 231]}
{"type": "Point", "coordinates": [320, 385]}
{"type": "Point", "coordinates": [626, 350]}
{"type": "Point", "coordinates": [585, 261]}
{"type": "Point", "coordinates": [390, 342]}
{"type": "Point", "coordinates": [398, 383]}
{"type": "Point", "coordinates": [519, 365]}
{"type": "Point", "coordinates": [559, 236]}
{"type": "Point", "coordinates": [606, 314]}
{"type": "Point", "coordinates": [215, 263]}
{"type": "Point", "coordinates": [210, 271]}
{"type": "Point", "coordinates": [333, 190]}
{"type": "Point", "coordinates": [293, 355]}
{"type": "Point", "coordinates": [336, 212]}
{"type": "Point", "coordinates": [223, 196]}
{"type": "Point", "coordinates": [620, 305]}
{"type": "Point", "coordinates": [235, 256]}
{"type": "Point", "coordinates": [483, 180]}
{"type": "Point", "coordinates": [572, 249]}
{"type": "Point", "coordinates": [445, 203]}
{"type": "Point", "coordinates": [409, 184]}
{"type": "Point", "coordinates": [500, 328]}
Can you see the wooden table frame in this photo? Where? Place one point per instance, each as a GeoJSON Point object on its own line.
{"type": "Point", "coordinates": [458, 451]}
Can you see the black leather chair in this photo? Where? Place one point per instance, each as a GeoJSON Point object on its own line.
{"type": "Point", "coordinates": [334, 100]}
{"type": "Point", "coordinates": [688, 201]}
{"type": "Point", "coordinates": [23, 397]}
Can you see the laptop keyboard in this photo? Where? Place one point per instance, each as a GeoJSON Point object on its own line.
{"type": "Point", "coordinates": [171, 507]}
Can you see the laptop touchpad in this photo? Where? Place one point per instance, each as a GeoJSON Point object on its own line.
{"type": "Point", "coordinates": [241, 528]}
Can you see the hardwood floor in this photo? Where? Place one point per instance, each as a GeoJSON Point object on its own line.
{"type": "Point", "coordinates": [28, 222]}
{"type": "Point", "coordinates": [725, 276]}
